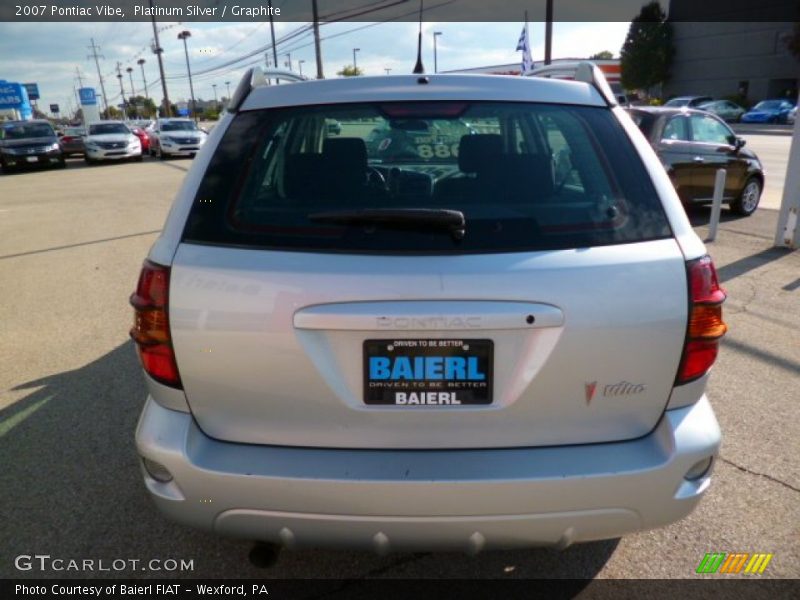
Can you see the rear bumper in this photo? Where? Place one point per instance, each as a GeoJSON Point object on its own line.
{"type": "Point", "coordinates": [387, 500]}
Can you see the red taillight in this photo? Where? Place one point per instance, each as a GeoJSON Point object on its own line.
{"type": "Point", "coordinates": [705, 326]}
{"type": "Point", "coordinates": [150, 328]}
{"type": "Point", "coordinates": [67, 138]}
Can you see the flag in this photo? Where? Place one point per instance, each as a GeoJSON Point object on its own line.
{"type": "Point", "coordinates": [524, 45]}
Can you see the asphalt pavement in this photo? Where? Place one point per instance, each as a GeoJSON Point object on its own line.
{"type": "Point", "coordinates": [71, 244]}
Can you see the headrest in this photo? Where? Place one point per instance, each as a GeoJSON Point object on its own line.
{"type": "Point", "coordinates": [345, 153]}
{"type": "Point", "coordinates": [475, 150]}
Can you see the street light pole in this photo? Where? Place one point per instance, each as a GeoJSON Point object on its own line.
{"type": "Point", "coordinates": [184, 35]}
{"type": "Point", "coordinates": [388, 70]}
{"type": "Point", "coordinates": [216, 102]}
{"type": "Point", "coordinates": [141, 62]}
{"type": "Point", "coordinates": [436, 34]}
{"type": "Point", "coordinates": [300, 66]}
{"type": "Point", "coordinates": [288, 56]}
{"type": "Point", "coordinates": [355, 63]}
{"type": "Point", "coordinates": [122, 92]}
{"type": "Point", "coordinates": [228, 85]}
{"type": "Point", "coordinates": [133, 93]}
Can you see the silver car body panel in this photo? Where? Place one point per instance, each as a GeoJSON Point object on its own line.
{"type": "Point", "coordinates": [260, 373]}
{"type": "Point", "coordinates": [386, 500]}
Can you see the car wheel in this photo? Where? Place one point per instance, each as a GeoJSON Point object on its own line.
{"type": "Point", "coordinates": [62, 164]}
{"type": "Point", "coordinates": [139, 158]}
{"type": "Point", "coordinates": [88, 160]}
{"type": "Point", "coordinates": [748, 200]}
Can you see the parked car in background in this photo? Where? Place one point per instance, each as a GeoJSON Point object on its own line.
{"type": "Point", "coordinates": [111, 140]}
{"type": "Point", "coordinates": [29, 144]}
{"type": "Point", "coordinates": [144, 138]}
{"type": "Point", "coordinates": [792, 116]}
{"type": "Point", "coordinates": [71, 141]}
{"type": "Point", "coordinates": [724, 109]}
{"type": "Point", "coordinates": [176, 137]}
{"type": "Point", "coordinates": [692, 146]}
{"type": "Point", "coordinates": [457, 347]}
{"type": "Point", "coordinates": [769, 111]}
{"type": "Point", "coordinates": [687, 101]}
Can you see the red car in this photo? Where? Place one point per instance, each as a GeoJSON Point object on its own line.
{"type": "Point", "coordinates": [143, 137]}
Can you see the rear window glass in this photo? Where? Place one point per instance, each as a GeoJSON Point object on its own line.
{"type": "Point", "coordinates": [344, 178]}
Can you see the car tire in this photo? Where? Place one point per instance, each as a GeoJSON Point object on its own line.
{"type": "Point", "coordinates": [747, 202]}
{"type": "Point", "coordinates": [139, 158]}
{"type": "Point", "coordinates": [88, 160]}
{"type": "Point", "coordinates": [62, 164]}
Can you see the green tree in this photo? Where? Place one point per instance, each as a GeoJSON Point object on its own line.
{"type": "Point", "coordinates": [350, 71]}
{"type": "Point", "coordinates": [112, 113]}
{"type": "Point", "coordinates": [604, 55]}
{"type": "Point", "coordinates": [646, 55]}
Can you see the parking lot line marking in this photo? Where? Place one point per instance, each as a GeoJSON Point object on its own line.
{"type": "Point", "coordinates": [120, 237]}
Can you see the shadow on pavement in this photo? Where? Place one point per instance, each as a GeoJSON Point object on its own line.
{"type": "Point", "coordinates": [750, 263]}
{"type": "Point", "coordinates": [70, 487]}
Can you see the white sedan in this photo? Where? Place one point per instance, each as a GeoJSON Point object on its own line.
{"type": "Point", "coordinates": [111, 140]}
{"type": "Point", "coordinates": [175, 137]}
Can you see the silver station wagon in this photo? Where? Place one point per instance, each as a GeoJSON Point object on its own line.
{"type": "Point", "coordinates": [472, 315]}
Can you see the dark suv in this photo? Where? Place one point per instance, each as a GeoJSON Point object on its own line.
{"type": "Point", "coordinates": [693, 145]}
{"type": "Point", "coordinates": [29, 143]}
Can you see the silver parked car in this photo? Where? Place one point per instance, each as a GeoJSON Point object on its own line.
{"type": "Point", "coordinates": [497, 341]}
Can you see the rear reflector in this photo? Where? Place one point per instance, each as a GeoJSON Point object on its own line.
{"type": "Point", "coordinates": [150, 328]}
{"type": "Point", "coordinates": [705, 326]}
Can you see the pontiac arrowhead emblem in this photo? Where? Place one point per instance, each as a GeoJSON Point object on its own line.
{"type": "Point", "coordinates": [590, 388]}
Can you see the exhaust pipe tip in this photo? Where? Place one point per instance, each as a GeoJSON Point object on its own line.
{"type": "Point", "coordinates": [264, 555]}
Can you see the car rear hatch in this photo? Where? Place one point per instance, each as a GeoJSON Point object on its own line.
{"type": "Point", "coordinates": [311, 305]}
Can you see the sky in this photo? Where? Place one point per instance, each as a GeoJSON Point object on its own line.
{"type": "Point", "coordinates": [50, 53]}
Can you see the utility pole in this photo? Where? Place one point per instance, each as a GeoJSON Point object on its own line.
{"type": "Point", "coordinates": [300, 66]}
{"type": "Point", "coordinates": [548, 32]}
{"type": "Point", "coordinates": [288, 56]}
{"type": "Point", "coordinates": [184, 35]}
{"type": "Point", "coordinates": [122, 91]}
{"type": "Point", "coordinates": [78, 74]}
{"type": "Point", "coordinates": [272, 34]}
{"type": "Point", "coordinates": [99, 75]}
{"type": "Point", "coordinates": [216, 102]}
{"type": "Point", "coordinates": [158, 50]}
{"type": "Point", "coordinates": [355, 62]}
{"type": "Point", "coordinates": [317, 47]}
{"type": "Point", "coordinates": [228, 85]}
{"type": "Point", "coordinates": [388, 70]}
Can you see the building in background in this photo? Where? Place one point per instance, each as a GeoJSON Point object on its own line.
{"type": "Point", "coordinates": [733, 53]}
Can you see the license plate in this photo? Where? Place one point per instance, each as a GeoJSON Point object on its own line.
{"type": "Point", "coordinates": [31, 159]}
{"type": "Point", "coordinates": [425, 372]}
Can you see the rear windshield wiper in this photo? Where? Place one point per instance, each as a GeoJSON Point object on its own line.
{"type": "Point", "coordinates": [451, 221]}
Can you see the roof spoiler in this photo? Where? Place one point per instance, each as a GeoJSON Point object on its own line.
{"type": "Point", "coordinates": [257, 77]}
{"type": "Point", "coordinates": [590, 73]}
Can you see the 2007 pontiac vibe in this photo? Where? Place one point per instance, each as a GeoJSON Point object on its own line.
{"type": "Point", "coordinates": [427, 313]}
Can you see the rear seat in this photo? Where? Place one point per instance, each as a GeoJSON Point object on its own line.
{"type": "Point", "coordinates": [489, 173]}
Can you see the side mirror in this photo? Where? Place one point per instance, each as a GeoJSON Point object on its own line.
{"type": "Point", "coordinates": [204, 130]}
{"type": "Point", "coordinates": [740, 142]}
